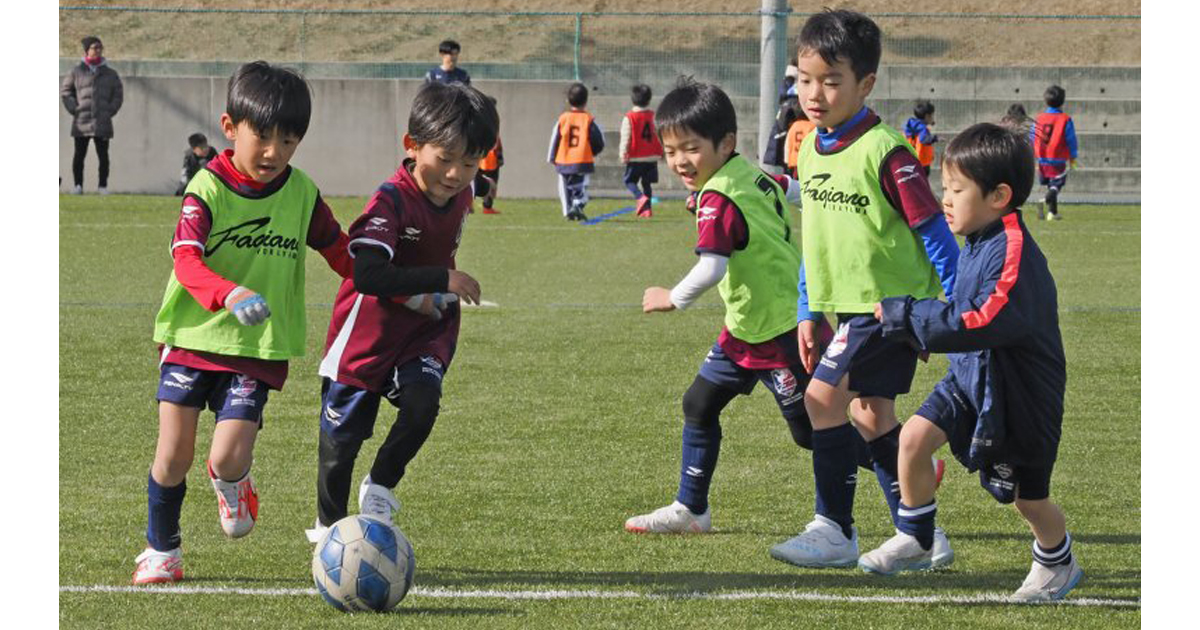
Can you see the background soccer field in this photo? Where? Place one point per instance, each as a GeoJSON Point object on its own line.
{"type": "Point", "coordinates": [561, 417]}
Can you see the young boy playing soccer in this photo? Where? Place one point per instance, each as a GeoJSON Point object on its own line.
{"type": "Point", "coordinates": [917, 132]}
{"type": "Point", "coordinates": [574, 143]}
{"type": "Point", "coordinates": [234, 310]}
{"type": "Point", "coordinates": [871, 228]}
{"type": "Point", "coordinates": [1000, 405]}
{"type": "Point", "coordinates": [640, 149]}
{"type": "Point", "coordinates": [746, 249]}
{"type": "Point", "coordinates": [1055, 147]}
{"type": "Point", "coordinates": [395, 323]}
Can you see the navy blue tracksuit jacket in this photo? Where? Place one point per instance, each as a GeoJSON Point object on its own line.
{"type": "Point", "coordinates": [1006, 352]}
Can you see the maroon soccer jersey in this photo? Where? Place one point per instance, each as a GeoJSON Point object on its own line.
{"type": "Point", "coordinates": [368, 336]}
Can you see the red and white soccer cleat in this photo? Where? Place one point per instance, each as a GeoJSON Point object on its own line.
{"type": "Point", "coordinates": [939, 470]}
{"type": "Point", "coordinates": [237, 504]}
{"type": "Point", "coordinates": [158, 567]}
{"type": "Point", "coordinates": [643, 207]}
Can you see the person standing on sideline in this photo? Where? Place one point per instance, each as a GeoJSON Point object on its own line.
{"type": "Point", "coordinates": [92, 94]}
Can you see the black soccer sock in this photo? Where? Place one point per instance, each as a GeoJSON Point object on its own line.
{"type": "Point", "coordinates": [335, 468]}
{"type": "Point", "coordinates": [419, 404]}
{"type": "Point", "coordinates": [702, 406]}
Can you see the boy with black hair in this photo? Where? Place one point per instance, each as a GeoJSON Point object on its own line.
{"type": "Point", "coordinates": [640, 149]}
{"type": "Point", "coordinates": [234, 308]}
{"type": "Point", "coordinates": [198, 155]}
{"type": "Point", "coordinates": [395, 324]}
{"type": "Point", "coordinates": [746, 249]}
{"type": "Point", "coordinates": [917, 132]}
{"type": "Point", "coordinates": [574, 143]}
{"type": "Point", "coordinates": [448, 72]}
{"type": "Point", "coordinates": [1055, 147]}
{"type": "Point", "coordinates": [1000, 405]}
{"type": "Point", "coordinates": [871, 228]}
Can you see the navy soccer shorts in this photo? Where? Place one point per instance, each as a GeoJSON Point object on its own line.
{"type": "Point", "coordinates": [786, 384]}
{"type": "Point", "coordinates": [348, 413]}
{"type": "Point", "coordinates": [950, 410]}
{"type": "Point", "coordinates": [877, 367]}
{"type": "Point", "coordinates": [231, 396]}
{"type": "Point", "coordinates": [636, 172]}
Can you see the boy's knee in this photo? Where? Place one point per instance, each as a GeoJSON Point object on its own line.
{"type": "Point", "coordinates": [172, 468]}
{"type": "Point", "coordinates": [704, 401]}
{"type": "Point", "coordinates": [419, 403]}
{"type": "Point", "coordinates": [920, 438]}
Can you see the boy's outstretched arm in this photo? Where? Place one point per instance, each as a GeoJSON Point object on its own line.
{"type": "Point", "coordinates": [707, 272]}
{"type": "Point", "coordinates": [903, 181]}
{"type": "Point", "coordinates": [993, 321]}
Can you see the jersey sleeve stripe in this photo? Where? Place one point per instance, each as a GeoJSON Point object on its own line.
{"type": "Point", "coordinates": [372, 243]}
{"type": "Point", "coordinates": [1008, 277]}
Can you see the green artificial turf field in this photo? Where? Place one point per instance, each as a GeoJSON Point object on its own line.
{"type": "Point", "coordinates": [561, 418]}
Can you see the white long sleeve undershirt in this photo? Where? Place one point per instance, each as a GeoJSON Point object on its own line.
{"type": "Point", "coordinates": [706, 274]}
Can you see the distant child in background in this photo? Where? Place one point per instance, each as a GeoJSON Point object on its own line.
{"type": "Point", "coordinates": [448, 72]}
{"type": "Point", "coordinates": [871, 228]}
{"type": "Point", "coordinates": [800, 128]}
{"type": "Point", "coordinates": [640, 149]}
{"type": "Point", "coordinates": [234, 308]}
{"type": "Point", "coordinates": [917, 132]}
{"type": "Point", "coordinates": [489, 169]}
{"type": "Point", "coordinates": [1016, 120]}
{"type": "Point", "coordinates": [1000, 404]}
{"type": "Point", "coordinates": [574, 144]}
{"type": "Point", "coordinates": [1055, 147]}
{"type": "Point", "coordinates": [394, 329]}
{"type": "Point", "coordinates": [195, 158]}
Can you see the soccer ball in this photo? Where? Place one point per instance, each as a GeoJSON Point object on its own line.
{"type": "Point", "coordinates": [363, 564]}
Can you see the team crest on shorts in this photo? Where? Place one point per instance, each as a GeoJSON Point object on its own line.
{"type": "Point", "coordinates": [785, 381]}
{"type": "Point", "coordinates": [243, 386]}
{"type": "Point", "coordinates": [838, 345]}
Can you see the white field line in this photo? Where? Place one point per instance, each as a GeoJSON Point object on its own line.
{"type": "Point", "coordinates": [443, 593]}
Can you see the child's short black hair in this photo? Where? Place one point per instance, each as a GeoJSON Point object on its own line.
{"type": "Point", "coordinates": [641, 95]}
{"type": "Point", "coordinates": [577, 95]}
{"type": "Point", "coordinates": [1016, 111]}
{"type": "Point", "coordinates": [1055, 96]}
{"type": "Point", "coordinates": [841, 34]}
{"type": "Point", "coordinates": [449, 115]}
{"type": "Point", "coordinates": [923, 108]}
{"type": "Point", "coordinates": [89, 40]}
{"type": "Point", "coordinates": [269, 97]}
{"type": "Point", "coordinates": [197, 140]}
{"type": "Point", "coordinates": [701, 108]}
{"type": "Point", "coordinates": [449, 47]}
{"type": "Point", "coordinates": [990, 155]}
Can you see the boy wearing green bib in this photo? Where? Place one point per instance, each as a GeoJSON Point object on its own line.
{"type": "Point", "coordinates": [871, 229]}
{"type": "Point", "coordinates": [747, 250]}
{"type": "Point", "coordinates": [233, 311]}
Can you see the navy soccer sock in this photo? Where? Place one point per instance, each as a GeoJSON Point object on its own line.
{"type": "Point", "coordinates": [1055, 556]}
{"type": "Point", "coordinates": [918, 522]}
{"type": "Point", "coordinates": [633, 189]}
{"type": "Point", "coordinates": [701, 446]}
{"type": "Point", "coordinates": [834, 469]}
{"type": "Point", "coordinates": [885, 450]}
{"type": "Point", "coordinates": [162, 531]}
{"type": "Point", "coordinates": [862, 452]}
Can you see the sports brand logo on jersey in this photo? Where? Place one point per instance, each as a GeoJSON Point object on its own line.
{"type": "Point", "coordinates": [906, 173]}
{"type": "Point", "coordinates": [838, 345]}
{"type": "Point", "coordinates": [411, 234]}
{"type": "Point", "coordinates": [706, 214]}
{"type": "Point", "coordinates": [190, 211]}
{"type": "Point", "coordinates": [376, 224]}
{"type": "Point", "coordinates": [785, 381]}
{"type": "Point", "coordinates": [253, 235]}
{"type": "Point", "coordinates": [814, 188]}
{"type": "Point", "coordinates": [333, 417]}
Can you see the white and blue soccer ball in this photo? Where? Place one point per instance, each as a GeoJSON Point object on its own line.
{"type": "Point", "coordinates": [363, 564]}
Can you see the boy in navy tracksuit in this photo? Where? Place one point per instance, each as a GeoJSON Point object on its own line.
{"type": "Point", "coordinates": [1000, 406]}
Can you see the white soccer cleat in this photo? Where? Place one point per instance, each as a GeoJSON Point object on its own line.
{"type": "Point", "coordinates": [102, 190]}
{"type": "Point", "coordinates": [943, 555]}
{"type": "Point", "coordinates": [318, 530]}
{"type": "Point", "coordinates": [901, 552]}
{"type": "Point", "coordinates": [158, 567]}
{"type": "Point", "coordinates": [671, 519]}
{"type": "Point", "coordinates": [1046, 584]}
{"type": "Point", "coordinates": [237, 504]}
{"type": "Point", "coordinates": [376, 500]}
{"type": "Point", "coordinates": [77, 190]}
{"type": "Point", "coordinates": [821, 544]}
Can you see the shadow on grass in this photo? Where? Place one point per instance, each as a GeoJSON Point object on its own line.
{"type": "Point", "coordinates": [430, 611]}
